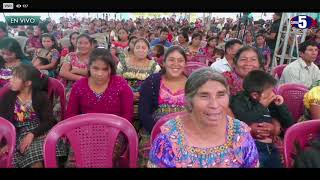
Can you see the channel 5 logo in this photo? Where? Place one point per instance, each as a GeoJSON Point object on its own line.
{"type": "Point", "coordinates": [303, 22]}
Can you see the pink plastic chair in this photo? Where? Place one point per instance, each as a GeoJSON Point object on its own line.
{"type": "Point", "coordinates": [8, 132]}
{"type": "Point", "coordinates": [301, 133]}
{"type": "Point", "coordinates": [199, 58]}
{"type": "Point", "coordinates": [156, 128]}
{"type": "Point", "coordinates": [293, 97]}
{"type": "Point", "coordinates": [56, 88]}
{"type": "Point", "coordinates": [192, 66]}
{"type": "Point", "coordinates": [277, 71]}
{"type": "Point", "coordinates": [92, 137]}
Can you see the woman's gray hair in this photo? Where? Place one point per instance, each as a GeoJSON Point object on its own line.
{"type": "Point", "coordinates": [199, 78]}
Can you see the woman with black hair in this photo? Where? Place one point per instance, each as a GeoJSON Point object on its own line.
{"type": "Point", "coordinates": [34, 42]}
{"type": "Point", "coordinates": [103, 91]}
{"type": "Point", "coordinates": [11, 56]}
{"type": "Point", "coordinates": [161, 94]}
{"type": "Point", "coordinates": [73, 44]}
{"type": "Point", "coordinates": [27, 106]}
{"type": "Point", "coordinates": [183, 40]}
{"type": "Point", "coordinates": [50, 50]}
{"type": "Point", "coordinates": [194, 47]}
{"type": "Point", "coordinates": [75, 64]}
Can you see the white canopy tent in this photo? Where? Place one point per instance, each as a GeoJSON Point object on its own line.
{"type": "Point", "coordinates": [118, 16]}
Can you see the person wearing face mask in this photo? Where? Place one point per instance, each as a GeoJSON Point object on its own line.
{"type": "Point", "coordinates": [161, 94]}
{"type": "Point", "coordinates": [11, 56]}
{"type": "Point", "coordinates": [98, 87]}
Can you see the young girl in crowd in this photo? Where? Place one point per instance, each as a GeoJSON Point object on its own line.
{"type": "Point", "coordinates": [183, 39]}
{"type": "Point", "coordinates": [50, 50]}
{"type": "Point", "coordinates": [264, 51]}
{"type": "Point", "coordinates": [11, 56]}
{"type": "Point", "coordinates": [129, 50]}
{"type": "Point", "coordinates": [219, 54]}
{"type": "Point", "coordinates": [210, 49]}
{"type": "Point", "coordinates": [157, 54]}
{"type": "Point", "coordinates": [211, 46]}
{"type": "Point", "coordinates": [75, 64]}
{"type": "Point", "coordinates": [221, 39]}
{"type": "Point", "coordinates": [73, 44]}
{"type": "Point", "coordinates": [102, 92]}
{"type": "Point", "coordinates": [27, 106]}
{"type": "Point", "coordinates": [33, 42]}
{"type": "Point", "coordinates": [135, 69]}
{"type": "Point", "coordinates": [123, 42]}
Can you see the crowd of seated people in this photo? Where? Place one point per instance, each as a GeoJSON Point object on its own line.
{"type": "Point", "coordinates": [234, 116]}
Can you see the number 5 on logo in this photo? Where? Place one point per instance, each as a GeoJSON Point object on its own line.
{"type": "Point", "coordinates": [302, 22]}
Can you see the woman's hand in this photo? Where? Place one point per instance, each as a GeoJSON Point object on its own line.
{"type": "Point", "coordinates": [262, 130]}
{"type": "Point", "coordinates": [258, 132]}
{"type": "Point", "coordinates": [278, 100]}
{"type": "Point", "coordinates": [26, 142]}
{"type": "Point", "coordinates": [79, 71]}
{"type": "Point", "coordinates": [266, 100]}
{"type": "Point", "coordinates": [136, 96]}
{"type": "Point", "coordinates": [3, 150]}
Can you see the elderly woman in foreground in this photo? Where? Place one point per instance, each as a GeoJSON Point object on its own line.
{"type": "Point", "coordinates": [206, 136]}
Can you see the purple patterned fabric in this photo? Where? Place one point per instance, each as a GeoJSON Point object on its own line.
{"type": "Point", "coordinates": [170, 148]}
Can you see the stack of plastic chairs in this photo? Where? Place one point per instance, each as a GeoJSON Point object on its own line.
{"type": "Point", "coordinates": [192, 66]}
